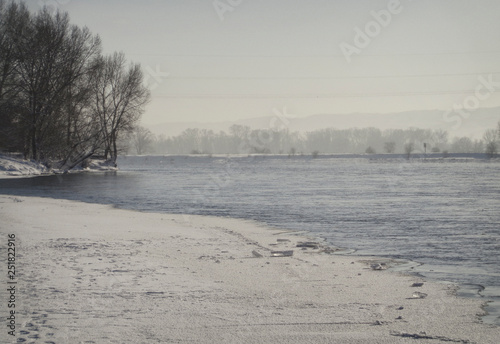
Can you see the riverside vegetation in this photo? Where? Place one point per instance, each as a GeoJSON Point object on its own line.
{"type": "Point", "coordinates": [61, 100]}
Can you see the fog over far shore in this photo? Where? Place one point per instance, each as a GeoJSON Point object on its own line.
{"type": "Point", "coordinates": [472, 124]}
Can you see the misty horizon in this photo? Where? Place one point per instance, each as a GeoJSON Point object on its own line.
{"type": "Point", "coordinates": [472, 125]}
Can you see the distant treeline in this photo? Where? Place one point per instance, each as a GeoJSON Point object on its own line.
{"type": "Point", "coordinates": [60, 97]}
{"type": "Point", "coordinates": [244, 140]}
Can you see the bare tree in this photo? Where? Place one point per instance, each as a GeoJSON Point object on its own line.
{"type": "Point", "coordinates": [119, 98]}
{"type": "Point", "coordinates": [40, 68]}
{"type": "Point", "coordinates": [142, 139]}
{"type": "Point", "coordinates": [390, 147]}
{"type": "Point", "coordinates": [59, 98]}
{"type": "Point", "coordinates": [462, 145]}
{"type": "Point", "coordinates": [491, 150]}
{"type": "Point", "coordinates": [370, 150]}
{"type": "Point", "coordinates": [14, 18]}
{"type": "Point", "coordinates": [53, 59]}
{"type": "Point", "coordinates": [490, 137]}
{"type": "Point", "coordinates": [439, 140]}
{"type": "Point", "coordinates": [409, 148]}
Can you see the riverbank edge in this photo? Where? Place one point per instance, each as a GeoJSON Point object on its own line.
{"type": "Point", "coordinates": [489, 317]}
{"type": "Point", "coordinates": [264, 240]}
{"type": "Point", "coordinates": [12, 166]}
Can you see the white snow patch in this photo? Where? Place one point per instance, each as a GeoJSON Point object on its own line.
{"type": "Point", "coordinates": [13, 166]}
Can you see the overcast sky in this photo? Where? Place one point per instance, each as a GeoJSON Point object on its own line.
{"type": "Point", "coordinates": [222, 60]}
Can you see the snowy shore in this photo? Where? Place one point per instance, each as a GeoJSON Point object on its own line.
{"type": "Point", "coordinates": [13, 166]}
{"type": "Point", "coordinates": [92, 273]}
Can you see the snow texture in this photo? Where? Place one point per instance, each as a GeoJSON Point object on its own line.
{"type": "Point", "coordinates": [95, 274]}
{"type": "Point", "coordinates": [14, 166]}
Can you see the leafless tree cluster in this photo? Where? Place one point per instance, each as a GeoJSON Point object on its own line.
{"type": "Point", "coordinates": [60, 98]}
{"type": "Point", "coordinates": [244, 140]}
{"type": "Point", "coordinates": [492, 138]}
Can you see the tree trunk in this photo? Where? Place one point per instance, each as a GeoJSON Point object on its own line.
{"type": "Point", "coordinates": [77, 161]}
{"type": "Point", "coordinates": [33, 143]}
{"type": "Point", "coordinates": [115, 149]}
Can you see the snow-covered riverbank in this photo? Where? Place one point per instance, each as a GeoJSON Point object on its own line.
{"type": "Point", "coordinates": [13, 166]}
{"type": "Point", "coordinates": [93, 273]}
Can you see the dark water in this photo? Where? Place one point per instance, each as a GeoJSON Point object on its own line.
{"type": "Point", "coordinates": [444, 214]}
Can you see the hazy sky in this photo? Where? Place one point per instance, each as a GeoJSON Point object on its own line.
{"type": "Point", "coordinates": [221, 60]}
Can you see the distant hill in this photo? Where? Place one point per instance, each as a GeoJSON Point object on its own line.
{"type": "Point", "coordinates": [478, 122]}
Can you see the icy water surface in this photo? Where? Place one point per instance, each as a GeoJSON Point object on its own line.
{"type": "Point", "coordinates": [444, 214]}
